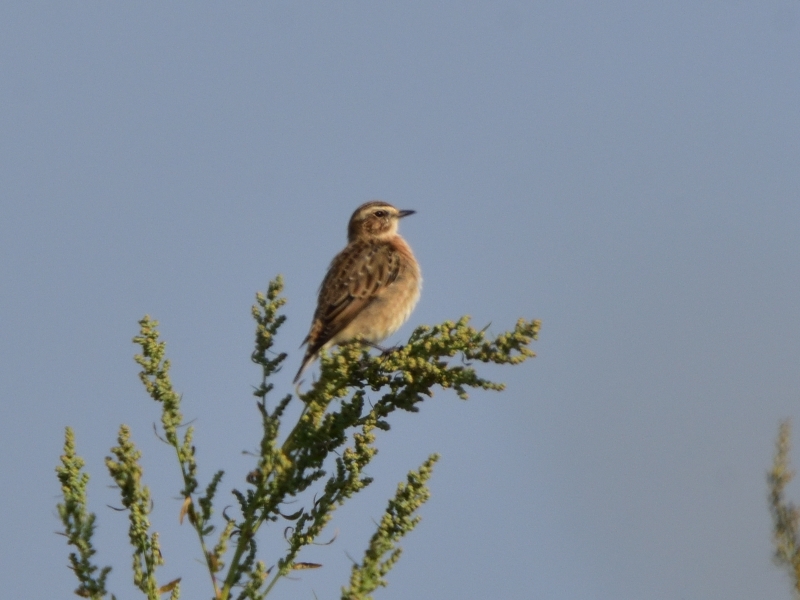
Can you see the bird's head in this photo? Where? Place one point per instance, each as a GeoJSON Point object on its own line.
{"type": "Point", "coordinates": [376, 219]}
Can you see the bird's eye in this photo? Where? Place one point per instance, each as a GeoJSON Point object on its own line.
{"type": "Point", "coordinates": [380, 213]}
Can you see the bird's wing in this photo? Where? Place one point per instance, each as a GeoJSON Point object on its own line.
{"type": "Point", "coordinates": [355, 278]}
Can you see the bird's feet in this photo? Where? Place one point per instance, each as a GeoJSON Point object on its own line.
{"type": "Point", "coordinates": [384, 351]}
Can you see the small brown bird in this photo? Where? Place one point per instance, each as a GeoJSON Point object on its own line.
{"type": "Point", "coordinates": [371, 286]}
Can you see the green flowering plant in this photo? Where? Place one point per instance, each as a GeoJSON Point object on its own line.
{"type": "Point", "coordinates": [326, 450]}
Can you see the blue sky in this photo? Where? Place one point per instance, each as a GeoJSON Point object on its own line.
{"type": "Point", "coordinates": [627, 172]}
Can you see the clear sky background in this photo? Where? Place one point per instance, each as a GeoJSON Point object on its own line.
{"type": "Point", "coordinates": [627, 172]}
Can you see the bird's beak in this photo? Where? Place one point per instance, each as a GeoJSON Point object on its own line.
{"type": "Point", "coordinates": [405, 213]}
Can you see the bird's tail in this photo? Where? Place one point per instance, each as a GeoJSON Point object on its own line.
{"type": "Point", "coordinates": [307, 360]}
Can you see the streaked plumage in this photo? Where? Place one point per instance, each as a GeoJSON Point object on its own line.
{"type": "Point", "coordinates": [371, 286]}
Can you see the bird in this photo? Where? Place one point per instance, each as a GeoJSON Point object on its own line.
{"type": "Point", "coordinates": [371, 286]}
